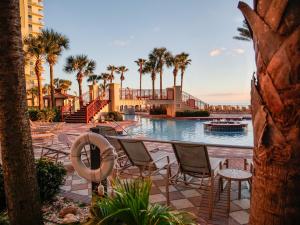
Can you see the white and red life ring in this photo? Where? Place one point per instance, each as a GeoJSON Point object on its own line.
{"type": "Point", "coordinates": [107, 153]}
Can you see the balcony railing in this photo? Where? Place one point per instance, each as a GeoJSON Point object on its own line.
{"type": "Point", "coordinates": [192, 101]}
{"type": "Point", "coordinates": [146, 94]}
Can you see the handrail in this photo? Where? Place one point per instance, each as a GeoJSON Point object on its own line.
{"type": "Point", "coordinates": [186, 142]}
{"type": "Point", "coordinates": [94, 107]}
{"type": "Point", "coordinates": [193, 101]}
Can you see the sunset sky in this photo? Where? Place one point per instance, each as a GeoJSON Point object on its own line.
{"type": "Point", "coordinates": [118, 32]}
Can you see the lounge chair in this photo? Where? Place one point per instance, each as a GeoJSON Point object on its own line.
{"type": "Point", "coordinates": [194, 163]}
{"type": "Point", "coordinates": [107, 132]}
{"type": "Point", "coordinates": [139, 157]}
{"type": "Point", "coordinates": [61, 149]}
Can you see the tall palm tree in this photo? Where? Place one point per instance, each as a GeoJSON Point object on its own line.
{"type": "Point", "coordinates": [104, 77]}
{"type": "Point", "coordinates": [275, 196]}
{"type": "Point", "coordinates": [150, 67]}
{"type": "Point", "coordinates": [175, 61]}
{"type": "Point", "coordinates": [20, 182]}
{"type": "Point", "coordinates": [93, 78]}
{"type": "Point", "coordinates": [244, 32]}
{"type": "Point", "coordinates": [122, 70]}
{"type": "Point", "coordinates": [162, 57]}
{"type": "Point", "coordinates": [184, 62]}
{"type": "Point", "coordinates": [35, 50]}
{"type": "Point", "coordinates": [54, 44]}
{"type": "Point", "coordinates": [140, 62]}
{"type": "Point", "coordinates": [112, 70]}
{"type": "Point", "coordinates": [82, 66]}
{"type": "Point", "coordinates": [34, 92]}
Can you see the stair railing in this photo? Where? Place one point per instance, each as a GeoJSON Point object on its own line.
{"type": "Point", "coordinates": [94, 107]}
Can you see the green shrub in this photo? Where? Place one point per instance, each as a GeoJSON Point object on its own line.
{"type": "Point", "coordinates": [116, 116]}
{"type": "Point", "coordinates": [33, 114]}
{"type": "Point", "coordinates": [200, 113]}
{"type": "Point", "coordinates": [131, 206]}
{"type": "Point", "coordinates": [158, 111]}
{"type": "Point", "coordinates": [57, 117]}
{"type": "Point", "coordinates": [4, 218]}
{"type": "Point", "coordinates": [46, 115]}
{"type": "Point", "coordinates": [50, 177]}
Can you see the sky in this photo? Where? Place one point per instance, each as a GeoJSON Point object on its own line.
{"type": "Point", "coordinates": [120, 31]}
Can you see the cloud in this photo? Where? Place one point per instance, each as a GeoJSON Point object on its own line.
{"type": "Point", "coordinates": [215, 52]}
{"type": "Point", "coordinates": [239, 50]}
{"type": "Point", "coordinates": [131, 37]}
{"type": "Point", "coordinates": [120, 43]}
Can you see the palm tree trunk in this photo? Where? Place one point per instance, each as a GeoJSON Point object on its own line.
{"type": "Point", "coordinates": [79, 80]}
{"type": "Point", "coordinates": [153, 88]}
{"type": "Point", "coordinates": [141, 80]}
{"type": "Point", "coordinates": [20, 181]}
{"type": "Point", "coordinates": [40, 93]}
{"type": "Point", "coordinates": [39, 81]}
{"type": "Point", "coordinates": [52, 104]}
{"type": "Point", "coordinates": [275, 104]}
{"type": "Point", "coordinates": [181, 85]}
{"type": "Point", "coordinates": [160, 76]}
{"type": "Point", "coordinates": [121, 87]}
{"type": "Point", "coordinates": [175, 77]}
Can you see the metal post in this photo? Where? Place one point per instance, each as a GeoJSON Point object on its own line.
{"type": "Point", "coordinates": [96, 162]}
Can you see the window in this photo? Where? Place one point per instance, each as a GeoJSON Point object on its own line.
{"type": "Point", "coordinates": [29, 16]}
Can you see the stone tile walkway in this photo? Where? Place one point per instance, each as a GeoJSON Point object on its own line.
{"type": "Point", "coordinates": [181, 197]}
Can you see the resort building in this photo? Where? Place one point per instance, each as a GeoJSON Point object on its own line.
{"type": "Point", "coordinates": [31, 12]}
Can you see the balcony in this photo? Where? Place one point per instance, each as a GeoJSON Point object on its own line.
{"type": "Point", "coordinates": [37, 3]}
{"type": "Point", "coordinates": [35, 12]}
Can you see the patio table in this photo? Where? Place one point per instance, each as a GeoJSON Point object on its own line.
{"type": "Point", "coordinates": [234, 175]}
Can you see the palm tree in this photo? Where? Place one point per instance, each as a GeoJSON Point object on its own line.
{"type": "Point", "coordinates": [122, 70]}
{"type": "Point", "coordinates": [62, 84]}
{"type": "Point", "coordinates": [244, 32]}
{"type": "Point", "coordinates": [82, 66]}
{"type": "Point", "coordinates": [104, 77]}
{"type": "Point", "coordinates": [175, 61]}
{"type": "Point", "coordinates": [112, 70]}
{"type": "Point", "coordinates": [275, 98]}
{"type": "Point", "coordinates": [162, 57]}
{"type": "Point", "coordinates": [20, 182]}
{"type": "Point", "coordinates": [184, 61]}
{"type": "Point", "coordinates": [140, 62]}
{"type": "Point", "coordinates": [46, 89]}
{"type": "Point", "coordinates": [34, 92]}
{"type": "Point", "coordinates": [150, 67]}
{"type": "Point", "coordinates": [54, 44]}
{"type": "Point", "coordinates": [93, 78]}
{"type": "Point", "coordinates": [35, 50]}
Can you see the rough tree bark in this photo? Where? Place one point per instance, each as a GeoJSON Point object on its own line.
{"type": "Point", "coordinates": [52, 103]}
{"type": "Point", "coordinates": [16, 146]}
{"type": "Point", "coordinates": [275, 100]}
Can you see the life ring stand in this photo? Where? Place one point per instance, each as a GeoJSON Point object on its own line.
{"type": "Point", "coordinates": [107, 153]}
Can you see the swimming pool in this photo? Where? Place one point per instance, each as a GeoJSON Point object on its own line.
{"type": "Point", "coordinates": [187, 130]}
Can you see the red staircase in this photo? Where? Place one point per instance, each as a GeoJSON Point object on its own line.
{"type": "Point", "coordinates": [86, 113]}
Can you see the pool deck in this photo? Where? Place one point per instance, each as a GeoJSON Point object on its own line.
{"type": "Point", "coordinates": [182, 198]}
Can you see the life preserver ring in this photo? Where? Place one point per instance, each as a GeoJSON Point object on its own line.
{"type": "Point", "coordinates": [107, 153]}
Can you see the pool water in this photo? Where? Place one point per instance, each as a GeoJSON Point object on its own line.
{"type": "Point", "coordinates": [187, 130]}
